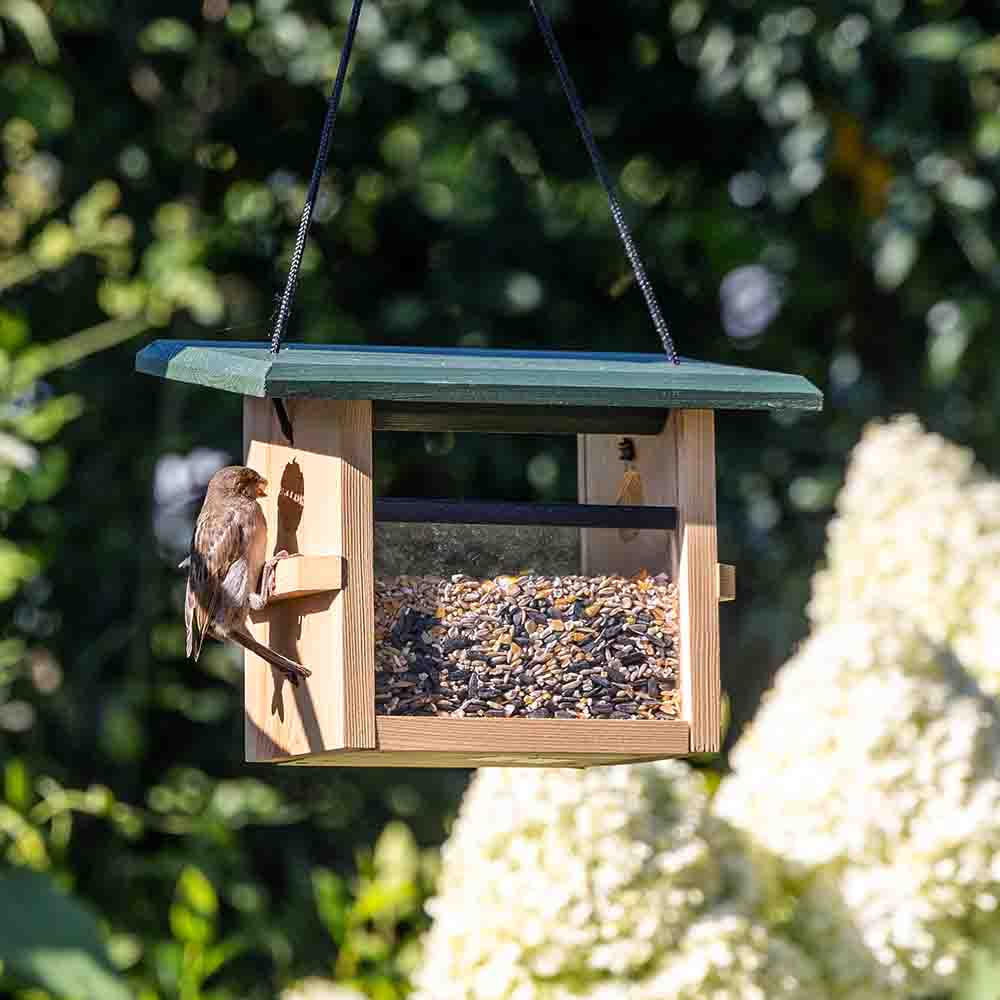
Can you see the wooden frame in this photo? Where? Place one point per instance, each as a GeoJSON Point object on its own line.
{"type": "Point", "coordinates": [430, 742]}
{"type": "Point", "coordinates": [677, 468]}
{"type": "Point", "coordinates": [320, 507]}
{"type": "Point", "coordinates": [319, 504]}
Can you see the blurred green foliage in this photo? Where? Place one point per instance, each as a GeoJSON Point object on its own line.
{"type": "Point", "coordinates": [813, 186]}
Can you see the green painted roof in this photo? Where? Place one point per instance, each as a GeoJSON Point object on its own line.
{"type": "Point", "coordinates": [474, 376]}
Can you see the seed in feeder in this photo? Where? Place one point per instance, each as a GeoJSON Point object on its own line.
{"type": "Point", "coordinates": [527, 659]}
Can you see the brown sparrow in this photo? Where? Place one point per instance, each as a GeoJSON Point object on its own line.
{"type": "Point", "coordinates": [227, 562]}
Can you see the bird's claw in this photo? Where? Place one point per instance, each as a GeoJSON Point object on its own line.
{"type": "Point", "coordinates": [294, 676]}
{"type": "Point", "coordinates": [270, 579]}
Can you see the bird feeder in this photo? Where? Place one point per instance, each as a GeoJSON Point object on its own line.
{"type": "Point", "coordinates": [639, 408]}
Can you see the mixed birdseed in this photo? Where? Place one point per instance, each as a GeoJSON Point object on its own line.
{"type": "Point", "coordinates": [570, 647]}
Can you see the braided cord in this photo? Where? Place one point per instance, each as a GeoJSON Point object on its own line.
{"type": "Point", "coordinates": [285, 305]}
{"type": "Point", "coordinates": [569, 88]}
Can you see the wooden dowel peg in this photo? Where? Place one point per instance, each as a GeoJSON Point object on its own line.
{"type": "Point", "coordinates": [727, 582]}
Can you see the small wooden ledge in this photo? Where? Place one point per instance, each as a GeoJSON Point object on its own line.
{"type": "Point", "coordinates": [727, 582]}
{"type": "Point", "coordinates": [301, 576]}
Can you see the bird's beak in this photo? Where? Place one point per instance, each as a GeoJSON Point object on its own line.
{"type": "Point", "coordinates": [262, 488]}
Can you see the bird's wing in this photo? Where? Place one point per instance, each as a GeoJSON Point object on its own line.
{"type": "Point", "coordinates": [219, 541]}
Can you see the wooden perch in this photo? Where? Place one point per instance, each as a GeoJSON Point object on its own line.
{"type": "Point", "coordinates": [301, 576]}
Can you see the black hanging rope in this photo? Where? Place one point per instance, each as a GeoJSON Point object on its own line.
{"type": "Point", "coordinates": [569, 88]}
{"type": "Point", "coordinates": [285, 305]}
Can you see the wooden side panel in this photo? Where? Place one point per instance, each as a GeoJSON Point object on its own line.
{"type": "Point", "coordinates": [442, 742]}
{"type": "Point", "coordinates": [599, 476]}
{"type": "Point", "coordinates": [319, 503]}
{"type": "Point", "coordinates": [697, 576]}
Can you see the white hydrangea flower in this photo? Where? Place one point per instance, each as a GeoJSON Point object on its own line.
{"type": "Point", "coordinates": [316, 988]}
{"type": "Point", "coordinates": [728, 956]}
{"type": "Point", "coordinates": [558, 880]}
{"type": "Point", "coordinates": [820, 923]}
{"type": "Point", "coordinates": [876, 757]}
{"type": "Point", "coordinates": [918, 527]}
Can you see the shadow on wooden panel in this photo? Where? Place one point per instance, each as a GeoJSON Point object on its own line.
{"type": "Point", "coordinates": [264, 748]}
{"type": "Point", "coordinates": [291, 500]}
{"type": "Point", "coordinates": [286, 630]}
{"type": "Point", "coordinates": [307, 714]}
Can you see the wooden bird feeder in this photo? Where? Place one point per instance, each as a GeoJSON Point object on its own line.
{"type": "Point", "coordinates": [321, 508]}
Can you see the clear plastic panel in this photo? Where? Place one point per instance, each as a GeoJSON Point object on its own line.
{"type": "Point", "coordinates": [474, 621]}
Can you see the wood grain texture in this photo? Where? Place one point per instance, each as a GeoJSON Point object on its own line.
{"type": "Point", "coordinates": [697, 576]}
{"type": "Point", "coordinates": [474, 376]}
{"type": "Point", "coordinates": [303, 576]}
{"type": "Point", "coordinates": [205, 363]}
{"type": "Point", "coordinates": [446, 759]}
{"type": "Point", "coordinates": [727, 582]}
{"type": "Point", "coordinates": [599, 476]}
{"type": "Point", "coordinates": [443, 742]}
{"type": "Point", "coordinates": [258, 679]}
{"type": "Point", "coordinates": [319, 503]}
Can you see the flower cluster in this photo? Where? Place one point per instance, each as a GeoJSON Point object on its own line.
{"type": "Point", "coordinates": [728, 956]}
{"type": "Point", "coordinates": [608, 884]}
{"type": "Point", "coordinates": [315, 988]}
{"type": "Point", "coordinates": [566, 875]}
{"type": "Point", "coordinates": [853, 850]}
{"type": "Point", "coordinates": [918, 528]}
{"type": "Point", "coordinates": [875, 763]}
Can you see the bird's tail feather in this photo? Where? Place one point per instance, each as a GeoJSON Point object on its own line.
{"type": "Point", "coordinates": [199, 641]}
{"type": "Point", "coordinates": [290, 667]}
{"type": "Point", "coordinates": [202, 619]}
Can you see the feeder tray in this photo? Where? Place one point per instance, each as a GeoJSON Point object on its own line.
{"type": "Point", "coordinates": [321, 508]}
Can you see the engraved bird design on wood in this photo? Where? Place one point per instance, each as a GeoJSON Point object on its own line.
{"type": "Point", "coordinates": [228, 572]}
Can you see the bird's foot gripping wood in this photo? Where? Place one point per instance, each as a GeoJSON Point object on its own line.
{"type": "Point", "coordinates": [267, 581]}
{"type": "Point", "coordinates": [295, 672]}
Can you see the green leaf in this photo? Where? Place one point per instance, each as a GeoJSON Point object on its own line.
{"type": "Point", "coordinates": [17, 784]}
{"type": "Point", "coordinates": [224, 952]}
{"type": "Point", "coordinates": [189, 927]}
{"type": "Point", "coordinates": [42, 359]}
{"type": "Point", "coordinates": [333, 901]}
{"type": "Point", "coordinates": [34, 25]}
{"type": "Point", "coordinates": [14, 332]}
{"type": "Point", "coordinates": [39, 97]}
{"type": "Point", "coordinates": [194, 888]}
{"type": "Point", "coordinates": [48, 939]}
{"type": "Point", "coordinates": [167, 34]}
{"type": "Point", "coordinates": [941, 42]}
{"type": "Point", "coordinates": [983, 982]}
{"type": "Point", "coordinates": [45, 421]}
{"type": "Point", "coordinates": [984, 57]}
{"type": "Point", "coordinates": [397, 858]}
{"type": "Point", "coordinates": [16, 566]}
